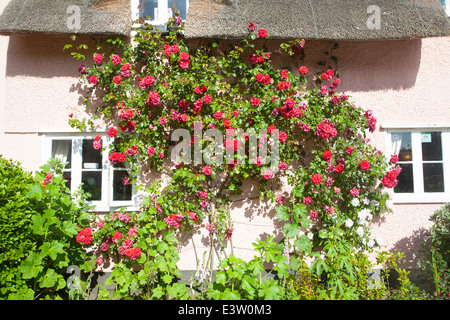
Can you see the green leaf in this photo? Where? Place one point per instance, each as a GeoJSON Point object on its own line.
{"type": "Point", "coordinates": [303, 244]}
{"type": "Point", "coordinates": [36, 192]}
{"type": "Point", "coordinates": [221, 277]}
{"type": "Point", "coordinates": [282, 213]}
{"type": "Point", "coordinates": [69, 228]}
{"type": "Point", "coordinates": [38, 224]}
{"type": "Point", "coordinates": [56, 248]}
{"type": "Point", "coordinates": [31, 266]}
{"type": "Point", "coordinates": [290, 230]}
{"type": "Point", "coordinates": [49, 280]}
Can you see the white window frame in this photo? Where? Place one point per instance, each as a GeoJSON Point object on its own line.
{"type": "Point", "coordinates": [163, 14]}
{"type": "Point", "coordinates": [107, 203]}
{"type": "Point", "coordinates": [419, 196]}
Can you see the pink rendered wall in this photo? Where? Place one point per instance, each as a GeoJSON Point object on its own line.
{"type": "Point", "coordinates": [403, 82]}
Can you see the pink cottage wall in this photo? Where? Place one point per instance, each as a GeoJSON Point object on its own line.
{"type": "Point", "coordinates": [403, 82]}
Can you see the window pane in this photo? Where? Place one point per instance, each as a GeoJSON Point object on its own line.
{"type": "Point", "coordinates": [67, 175]}
{"type": "Point", "coordinates": [405, 179]}
{"type": "Point", "coordinates": [121, 190]}
{"type": "Point", "coordinates": [92, 159]}
{"type": "Point", "coordinates": [92, 183]}
{"type": "Point", "coordinates": [433, 177]}
{"type": "Point", "coordinates": [431, 146]}
{"type": "Point", "coordinates": [180, 5]}
{"type": "Point", "coordinates": [401, 144]}
{"type": "Point", "coordinates": [148, 8]}
{"type": "Point", "coordinates": [62, 150]}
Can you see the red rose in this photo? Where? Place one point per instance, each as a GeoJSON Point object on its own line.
{"type": "Point", "coordinates": [184, 56]}
{"type": "Point", "coordinates": [394, 159]}
{"type": "Point", "coordinates": [255, 101]}
{"type": "Point", "coordinates": [262, 33]}
{"type": "Point", "coordinates": [282, 136]}
{"type": "Point", "coordinates": [98, 58]}
{"type": "Point", "coordinates": [267, 174]}
{"type": "Point", "coordinates": [338, 168]}
{"type": "Point", "coordinates": [117, 79]}
{"type": "Point", "coordinates": [251, 26]}
{"type": "Point", "coordinates": [93, 80]}
{"type": "Point", "coordinates": [364, 165]}
{"type": "Point", "coordinates": [207, 170]}
{"type": "Point", "coordinates": [227, 123]}
{"type": "Point", "coordinates": [116, 60]}
{"type": "Point", "coordinates": [112, 132]}
{"type": "Point", "coordinates": [327, 155]}
{"type": "Point", "coordinates": [316, 179]}
{"type": "Point", "coordinates": [303, 70]}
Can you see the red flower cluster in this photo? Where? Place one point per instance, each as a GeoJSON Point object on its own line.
{"type": "Point", "coordinates": [174, 220]}
{"type": "Point", "coordinates": [184, 60]}
{"type": "Point", "coordinates": [133, 253]}
{"type": "Point", "coordinates": [390, 179]}
{"type": "Point", "coordinates": [153, 99]}
{"type": "Point", "coordinates": [316, 179]}
{"type": "Point", "coordinates": [256, 59]}
{"type": "Point", "coordinates": [117, 157]}
{"type": "Point", "coordinates": [261, 78]}
{"type": "Point", "coordinates": [326, 155]}
{"type": "Point", "coordinates": [98, 58]}
{"type": "Point", "coordinates": [84, 236]}
{"type": "Point", "coordinates": [325, 129]}
{"type": "Point", "coordinates": [168, 49]}
{"type": "Point", "coordinates": [364, 165]}
{"type": "Point", "coordinates": [116, 60]}
{"type": "Point", "coordinates": [371, 120]}
{"type": "Point", "coordinates": [47, 179]}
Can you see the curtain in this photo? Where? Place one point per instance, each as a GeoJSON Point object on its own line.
{"type": "Point", "coordinates": [62, 150]}
{"type": "Point", "coordinates": [396, 143]}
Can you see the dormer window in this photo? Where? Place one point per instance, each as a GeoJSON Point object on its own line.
{"type": "Point", "coordinates": [158, 12]}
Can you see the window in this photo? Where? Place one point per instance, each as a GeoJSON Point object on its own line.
{"type": "Point", "coordinates": [159, 11]}
{"type": "Point", "coordinates": [424, 156]}
{"type": "Point", "coordinates": [446, 5]}
{"type": "Point", "coordinates": [90, 167]}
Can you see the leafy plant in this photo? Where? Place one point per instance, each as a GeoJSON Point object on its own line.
{"type": "Point", "coordinates": [40, 220]}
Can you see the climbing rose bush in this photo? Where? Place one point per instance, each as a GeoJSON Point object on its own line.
{"type": "Point", "coordinates": [327, 182]}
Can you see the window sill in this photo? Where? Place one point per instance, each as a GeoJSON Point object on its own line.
{"type": "Point", "coordinates": [416, 199]}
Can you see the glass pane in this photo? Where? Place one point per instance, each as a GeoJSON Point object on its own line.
{"type": "Point", "coordinates": [92, 159]}
{"type": "Point", "coordinates": [405, 179]}
{"type": "Point", "coordinates": [433, 177]}
{"type": "Point", "coordinates": [180, 5]}
{"type": "Point", "coordinates": [148, 8]}
{"type": "Point", "coordinates": [92, 183]}
{"type": "Point", "coordinates": [62, 150]}
{"type": "Point", "coordinates": [121, 189]}
{"type": "Point", "coordinates": [67, 175]}
{"type": "Point", "coordinates": [401, 144]}
{"type": "Point", "coordinates": [431, 146]}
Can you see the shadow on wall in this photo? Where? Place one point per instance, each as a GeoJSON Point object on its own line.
{"type": "Point", "coordinates": [378, 65]}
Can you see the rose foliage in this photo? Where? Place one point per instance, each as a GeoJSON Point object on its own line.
{"type": "Point", "coordinates": [326, 182]}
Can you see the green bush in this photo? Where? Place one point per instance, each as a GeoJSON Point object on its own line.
{"type": "Point", "coordinates": [39, 220]}
{"type": "Point", "coordinates": [435, 252]}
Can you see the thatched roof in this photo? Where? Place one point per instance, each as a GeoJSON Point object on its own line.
{"type": "Point", "coordinates": [51, 17]}
{"type": "Point", "coordinates": [317, 19]}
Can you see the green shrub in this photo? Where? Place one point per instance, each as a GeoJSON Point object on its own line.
{"type": "Point", "coordinates": [39, 220]}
